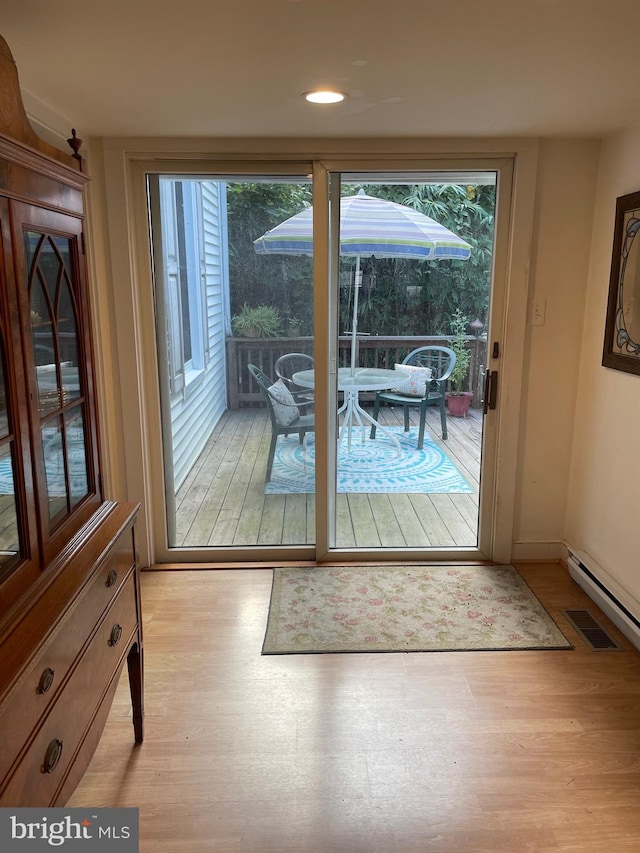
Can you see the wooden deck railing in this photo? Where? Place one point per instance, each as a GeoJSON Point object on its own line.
{"type": "Point", "coordinates": [374, 351]}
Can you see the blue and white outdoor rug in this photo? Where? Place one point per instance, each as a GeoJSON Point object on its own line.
{"type": "Point", "coordinates": [372, 466]}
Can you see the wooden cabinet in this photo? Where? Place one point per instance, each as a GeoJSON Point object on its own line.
{"type": "Point", "coordinates": [69, 579]}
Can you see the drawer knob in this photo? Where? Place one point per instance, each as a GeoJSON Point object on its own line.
{"type": "Point", "coordinates": [52, 756]}
{"type": "Point", "coordinates": [46, 680]}
{"type": "Point", "coordinates": [112, 577]}
{"type": "Point", "coordinates": [116, 633]}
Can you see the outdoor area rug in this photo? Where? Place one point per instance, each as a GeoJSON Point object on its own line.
{"type": "Point", "coordinates": [370, 466]}
{"type": "Point", "coordinates": [406, 609]}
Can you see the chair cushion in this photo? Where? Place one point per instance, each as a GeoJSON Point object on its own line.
{"type": "Point", "coordinates": [416, 384]}
{"type": "Point", "coordinates": [284, 406]}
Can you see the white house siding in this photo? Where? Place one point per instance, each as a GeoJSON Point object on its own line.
{"type": "Point", "coordinates": [196, 410]}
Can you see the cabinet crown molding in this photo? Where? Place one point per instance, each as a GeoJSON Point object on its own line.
{"type": "Point", "coordinates": [14, 122]}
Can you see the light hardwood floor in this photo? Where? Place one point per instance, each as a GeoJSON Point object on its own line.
{"type": "Point", "coordinates": [374, 753]}
{"type": "Point", "coordinates": [222, 501]}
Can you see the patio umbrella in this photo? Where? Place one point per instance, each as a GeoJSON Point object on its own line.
{"type": "Point", "coordinates": [369, 227]}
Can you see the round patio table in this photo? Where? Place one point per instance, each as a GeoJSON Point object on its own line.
{"type": "Point", "coordinates": [351, 383]}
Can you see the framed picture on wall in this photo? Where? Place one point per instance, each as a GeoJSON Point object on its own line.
{"type": "Point", "coordinates": [622, 330]}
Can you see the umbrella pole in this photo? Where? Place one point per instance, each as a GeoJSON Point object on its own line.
{"type": "Point", "coordinates": [354, 324]}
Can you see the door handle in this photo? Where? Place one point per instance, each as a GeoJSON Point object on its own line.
{"type": "Point", "coordinates": [490, 391]}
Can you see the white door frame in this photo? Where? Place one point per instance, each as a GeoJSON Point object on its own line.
{"type": "Point", "coordinates": [490, 544]}
{"type": "Point", "coordinates": [126, 270]}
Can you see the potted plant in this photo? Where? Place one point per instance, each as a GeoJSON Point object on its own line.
{"type": "Point", "coordinates": [263, 321]}
{"type": "Point", "coordinates": [459, 400]}
{"type": "Point", "coordinates": [294, 327]}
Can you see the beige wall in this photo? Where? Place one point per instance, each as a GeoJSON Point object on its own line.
{"type": "Point", "coordinates": [559, 265]}
{"type": "Point", "coordinates": [559, 270]}
{"type": "Point", "coordinates": [603, 518]}
{"type": "Point", "coordinates": [567, 172]}
{"type": "Point", "coordinates": [125, 239]}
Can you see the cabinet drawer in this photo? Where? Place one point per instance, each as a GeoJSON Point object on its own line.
{"type": "Point", "coordinates": [40, 683]}
{"type": "Point", "coordinates": [46, 762]}
{"type": "Point", "coordinates": [108, 581]}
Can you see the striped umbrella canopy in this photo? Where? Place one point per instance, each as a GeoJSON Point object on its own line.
{"type": "Point", "coordinates": [369, 227]}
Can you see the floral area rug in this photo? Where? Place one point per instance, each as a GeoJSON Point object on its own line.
{"type": "Point", "coordinates": [370, 466]}
{"type": "Point", "coordinates": [406, 609]}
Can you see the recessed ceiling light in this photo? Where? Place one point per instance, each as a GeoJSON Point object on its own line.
{"type": "Point", "coordinates": [324, 96]}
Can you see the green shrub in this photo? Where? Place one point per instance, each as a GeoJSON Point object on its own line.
{"type": "Point", "coordinates": [458, 378]}
{"type": "Point", "coordinates": [263, 321]}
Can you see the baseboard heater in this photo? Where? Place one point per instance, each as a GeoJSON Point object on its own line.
{"type": "Point", "coordinates": [588, 580]}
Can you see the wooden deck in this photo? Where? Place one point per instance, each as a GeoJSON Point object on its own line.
{"type": "Point", "coordinates": [222, 501]}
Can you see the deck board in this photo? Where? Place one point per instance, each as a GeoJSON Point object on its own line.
{"type": "Point", "coordinates": [364, 526]}
{"type": "Point", "coordinates": [222, 500]}
{"type": "Point", "coordinates": [294, 528]}
{"type": "Point", "coordinates": [404, 510]}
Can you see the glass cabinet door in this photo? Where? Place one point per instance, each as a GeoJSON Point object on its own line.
{"type": "Point", "coordinates": [56, 343]}
{"type": "Point", "coordinates": [10, 539]}
{"type": "Point", "coordinates": [18, 534]}
{"type": "Point", "coordinates": [56, 346]}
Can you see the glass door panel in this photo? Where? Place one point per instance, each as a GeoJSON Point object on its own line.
{"type": "Point", "coordinates": [415, 274]}
{"type": "Point", "coordinates": [235, 327]}
{"type": "Point", "coordinates": [56, 343]}
{"type": "Point", "coordinates": [351, 442]}
{"type": "Point", "coordinates": [76, 455]}
{"type": "Point", "coordinates": [10, 549]}
{"type": "Point", "coordinates": [17, 510]}
{"type": "Point", "coordinates": [54, 466]}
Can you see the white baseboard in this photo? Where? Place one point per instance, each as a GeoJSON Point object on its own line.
{"type": "Point", "coordinates": [587, 577]}
{"type": "Point", "coordinates": [549, 550]}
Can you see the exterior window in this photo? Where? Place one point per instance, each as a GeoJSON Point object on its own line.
{"type": "Point", "coordinates": [183, 273]}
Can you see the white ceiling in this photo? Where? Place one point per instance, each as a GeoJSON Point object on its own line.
{"type": "Point", "coordinates": [410, 67]}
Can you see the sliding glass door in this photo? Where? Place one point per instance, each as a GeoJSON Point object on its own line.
{"type": "Point", "coordinates": [234, 322]}
{"type": "Point", "coordinates": [414, 281]}
{"type": "Point", "coordinates": [311, 327]}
